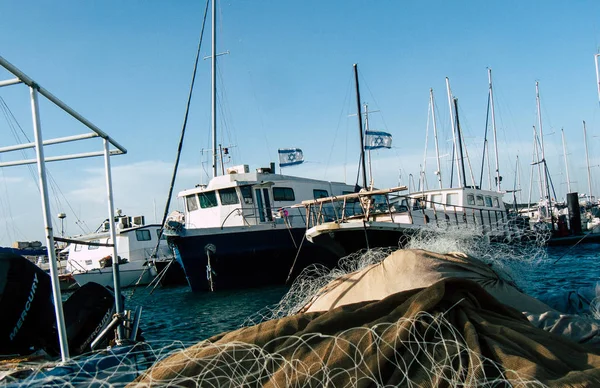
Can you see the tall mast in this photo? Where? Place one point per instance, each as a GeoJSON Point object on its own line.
{"type": "Point", "coordinates": [214, 87]}
{"type": "Point", "coordinates": [562, 131]}
{"type": "Point", "coordinates": [435, 136]}
{"type": "Point", "coordinates": [533, 162]}
{"type": "Point", "coordinates": [536, 149]}
{"type": "Point", "coordinates": [360, 128]}
{"type": "Point", "coordinates": [539, 113]}
{"type": "Point", "coordinates": [366, 129]}
{"type": "Point", "coordinates": [453, 127]}
{"type": "Point", "coordinates": [587, 160]}
{"type": "Point", "coordinates": [494, 130]}
{"type": "Point", "coordinates": [460, 147]}
{"type": "Point", "coordinates": [597, 75]}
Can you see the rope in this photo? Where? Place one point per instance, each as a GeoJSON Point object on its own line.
{"type": "Point", "coordinates": [160, 276]}
{"type": "Point", "coordinates": [571, 247]}
{"type": "Point", "coordinates": [296, 258]}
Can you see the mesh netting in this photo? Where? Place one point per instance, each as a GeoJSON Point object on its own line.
{"type": "Point", "coordinates": [427, 349]}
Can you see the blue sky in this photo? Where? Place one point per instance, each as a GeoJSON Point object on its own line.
{"type": "Point", "coordinates": [287, 82]}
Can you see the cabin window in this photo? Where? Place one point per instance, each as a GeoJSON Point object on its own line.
{"type": "Point", "coordinates": [143, 235]}
{"type": "Point", "coordinates": [207, 199]}
{"type": "Point", "coordinates": [318, 193]}
{"type": "Point", "coordinates": [470, 199]}
{"type": "Point", "coordinates": [77, 247]}
{"type": "Point", "coordinates": [479, 200]}
{"type": "Point", "coordinates": [246, 194]}
{"type": "Point", "coordinates": [191, 203]}
{"type": "Point", "coordinates": [436, 200]}
{"type": "Point", "coordinates": [488, 201]}
{"type": "Point", "coordinates": [162, 236]}
{"type": "Point", "coordinates": [496, 203]}
{"type": "Point", "coordinates": [228, 196]}
{"type": "Point", "coordinates": [451, 199]}
{"type": "Point", "coordinates": [283, 194]}
{"type": "Point", "coordinates": [92, 247]}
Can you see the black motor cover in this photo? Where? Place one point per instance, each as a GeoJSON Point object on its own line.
{"type": "Point", "coordinates": [87, 312]}
{"type": "Point", "coordinates": [27, 318]}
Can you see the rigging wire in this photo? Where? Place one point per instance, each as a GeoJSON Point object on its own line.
{"type": "Point", "coordinates": [181, 137]}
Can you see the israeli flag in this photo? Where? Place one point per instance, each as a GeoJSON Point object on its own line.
{"type": "Point", "coordinates": [290, 156]}
{"type": "Point", "coordinates": [377, 139]}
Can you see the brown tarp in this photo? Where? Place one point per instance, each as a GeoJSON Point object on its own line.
{"type": "Point", "coordinates": [408, 269]}
{"type": "Point", "coordinates": [448, 334]}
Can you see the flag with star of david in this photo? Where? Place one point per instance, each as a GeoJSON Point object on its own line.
{"type": "Point", "coordinates": [377, 139]}
{"type": "Point", "coordinates": [290, 156]}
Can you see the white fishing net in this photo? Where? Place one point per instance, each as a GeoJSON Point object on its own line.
{"type": "Point", "coordinates": [426, 346]}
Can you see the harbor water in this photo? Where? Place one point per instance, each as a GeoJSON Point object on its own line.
{"type": "Point", "coordinates": [177, 314]}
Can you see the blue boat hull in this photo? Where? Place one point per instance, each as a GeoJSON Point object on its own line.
{"type": "Point", "coordinates": [247, 259]}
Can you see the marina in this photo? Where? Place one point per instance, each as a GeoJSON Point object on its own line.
{"type": "Point", "coordinates": [268, 247]}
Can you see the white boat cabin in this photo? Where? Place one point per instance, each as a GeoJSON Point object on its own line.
{"type": "Point", "coordinates": [135, 243]}
{"type": "Point", "coordinates": [456, 199]}
{"type": "Point", "coordinates": [243, 198]}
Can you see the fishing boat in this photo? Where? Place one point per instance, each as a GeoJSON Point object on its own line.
{"type": "Point", "coordinates": [235, 231]}
{"type": "Point", "coordinates": [90, 258]}
{"type": "Point", "coordinates": [385, 218]}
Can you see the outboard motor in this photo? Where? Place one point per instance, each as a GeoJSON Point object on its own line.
{"type": "Point", "coordinates": [87, 312]}
{"type": "Point", "coordinates": [28, 322]}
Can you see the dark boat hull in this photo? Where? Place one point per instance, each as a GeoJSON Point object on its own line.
{"type": "Point", "coordinates": [350, 241]}
{"type": "Point", "coordinates": [170, 273]}
{"type": "Point", "coordinates": [250, 258]}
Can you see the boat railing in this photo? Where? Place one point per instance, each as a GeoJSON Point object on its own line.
{"type": "Point", "coordinates": [255, 215]}
{"type": "Point", "coordinates": [389, 206]}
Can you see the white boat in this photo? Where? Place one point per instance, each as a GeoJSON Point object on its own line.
{"type": "Point", "coordinates": [90, 258]}
{"type": "Point", "coordinates": [237, 230]}
{"type": "Point", "coordinates": [234, 232]}
{"type": "Point", "coordinates": [384, 218]}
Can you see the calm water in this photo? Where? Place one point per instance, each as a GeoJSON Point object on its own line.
{"type": "Point", "coordinates": [178, 314]}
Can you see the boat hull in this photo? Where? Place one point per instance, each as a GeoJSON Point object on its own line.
{"type": "Point", "coordinates": [104, 276]}
{"type": "Point", "coordinates": [247, 258]}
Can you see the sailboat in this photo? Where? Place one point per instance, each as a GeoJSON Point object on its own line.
{"type": "Point", "coordinates": [386, 218]}
{"type": "Point", "coordinates": [236, 231]}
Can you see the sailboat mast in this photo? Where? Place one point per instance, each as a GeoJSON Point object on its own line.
{"type": "Point", "coordinates": [597, 75]}
{"type": "Point", "coordinates": [435, 137]}
{"type": "Point", "coordinates": [366, 129]}
{"type": "Point", "coordinates": [494, 130]}
{"type": "Point", "coordinates": [453, 127]}
{"type": "Point", "coordinates": [539, 113]}
{"type": "Point", "coordinates": [214, 88]}
{"type": "Point", "coordinates": [460, 147]}
{"type": "Point", "coordinates": [587, 160]}
{"type": "Point", "coordinates": [562, 131]}
{"type": "Point", "coordinates": [360, 128]}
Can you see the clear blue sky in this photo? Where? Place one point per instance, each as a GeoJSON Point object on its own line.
{"type": "Point", "coordinates": [287, 82]}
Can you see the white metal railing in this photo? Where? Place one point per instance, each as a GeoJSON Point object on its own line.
{"type": "Point", "coordinates": [34, 90]}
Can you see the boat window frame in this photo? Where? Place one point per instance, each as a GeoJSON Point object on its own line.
{"type": "Point", "coordinates": [246, 193]}
{"type": "Point", "coordinates": [210, 199]}
{"type": "Point", "coordinates": [479, 201]}
{"type": "Point", "coordinates": [140, 233]}
{"type": "Point", "coordinates": [434, 203]}
{"type": "Point", "coordinates": [78, 247]}
{"type": "Point", "coordinates": [318, 193]}
{"type": "Point", "coordinates": [471, 199]}
{"type": "Point", "coordinates": [496, 202]}
{"type": "Point", "coordinates": [231, 193]}
{"type": "Point", "coordinates": [285, 191]}
{"type": "Point", "coordinates": [194, 204]}
{"type": "Point", "coordinates": [488, 203]}
{"type": "Point", "coordinates": [449, 197]}
{"type": "Point", "coordinates": [93, 247]}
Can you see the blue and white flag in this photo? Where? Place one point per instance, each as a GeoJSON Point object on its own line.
{"type": "Point", "coordinates": [290, 156]}
{"type": "Point", "coordinates": [377, 139]}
